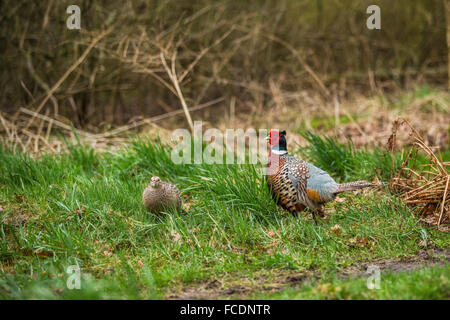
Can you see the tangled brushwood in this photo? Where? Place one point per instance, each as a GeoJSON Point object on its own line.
{"type": "Point", "coordinates": [422, 186]}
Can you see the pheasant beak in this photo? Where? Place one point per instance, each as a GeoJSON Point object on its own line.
{"type": "Point", "coordinates": [267, 138]}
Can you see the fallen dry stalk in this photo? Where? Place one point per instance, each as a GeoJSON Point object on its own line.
{"type": "Point", "coordinates": [424, 190]}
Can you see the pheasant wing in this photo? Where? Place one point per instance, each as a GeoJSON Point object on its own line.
{"type": "Point", "coordinates": [298, 173]}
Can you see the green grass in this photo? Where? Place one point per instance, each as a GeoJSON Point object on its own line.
{"type": "Point", "coordinates": [84, 208]}
{"type": "Point", "coordinates": [328, 122]}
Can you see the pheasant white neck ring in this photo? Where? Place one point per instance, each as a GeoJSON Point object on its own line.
{"type": "Point", "coordinates": [279, 152]}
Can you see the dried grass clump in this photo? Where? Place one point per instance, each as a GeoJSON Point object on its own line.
{"type": "Point", "coordinates": [424, 187]}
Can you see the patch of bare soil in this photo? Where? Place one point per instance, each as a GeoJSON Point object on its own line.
{"type": "Point", "coordinates": [232, 287]}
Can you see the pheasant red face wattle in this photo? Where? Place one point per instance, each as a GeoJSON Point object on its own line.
{"type": "Point", "coordinates": [275, 136]}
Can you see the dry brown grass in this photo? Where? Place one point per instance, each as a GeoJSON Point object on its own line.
{"type": "Point", "coordinates": [34, 133]}
{"type": "Point", "coordinates": [424, 187]}
{"type": "Point", "coordinates": [367, 121]}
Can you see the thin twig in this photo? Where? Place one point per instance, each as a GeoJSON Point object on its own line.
{"type": "Point", "coordinates": [55, 122]}
{"type": "Point", "coordinates": [153, 119]}
{"type": "Point", "coordinates": [173, 77]}
{"type": "Point", "coordinates": [443, 200]}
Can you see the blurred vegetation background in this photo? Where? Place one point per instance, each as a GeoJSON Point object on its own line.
{"type": "Point", "coordinates": [225, 54]}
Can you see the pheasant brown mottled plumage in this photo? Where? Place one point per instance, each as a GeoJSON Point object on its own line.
{"type": "Point", "coordinates": [161, 195]}
{"type": "Point", "coordinates": [296, 184]}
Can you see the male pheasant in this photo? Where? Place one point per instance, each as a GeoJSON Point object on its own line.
{"type": "Point", "coordinates": [161, 195]}
{"type": "Point", "coordinates": [296, 184]}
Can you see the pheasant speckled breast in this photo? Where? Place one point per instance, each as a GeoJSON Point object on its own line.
{"type": "Point", "coordinates": [296, 184]}
{"type": "Point", "coordinates": [294, 188]}
{"type": "Point", "coordinates": [161, 195]}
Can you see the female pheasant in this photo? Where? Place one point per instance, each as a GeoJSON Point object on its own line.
{"type": "Point", "coordinates": [296, 184]}
{"type": "Point", "coordinates": [160, 195]}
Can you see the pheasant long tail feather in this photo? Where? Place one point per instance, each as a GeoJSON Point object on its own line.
{"type": "Point", "coordinates": [355, 185]}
